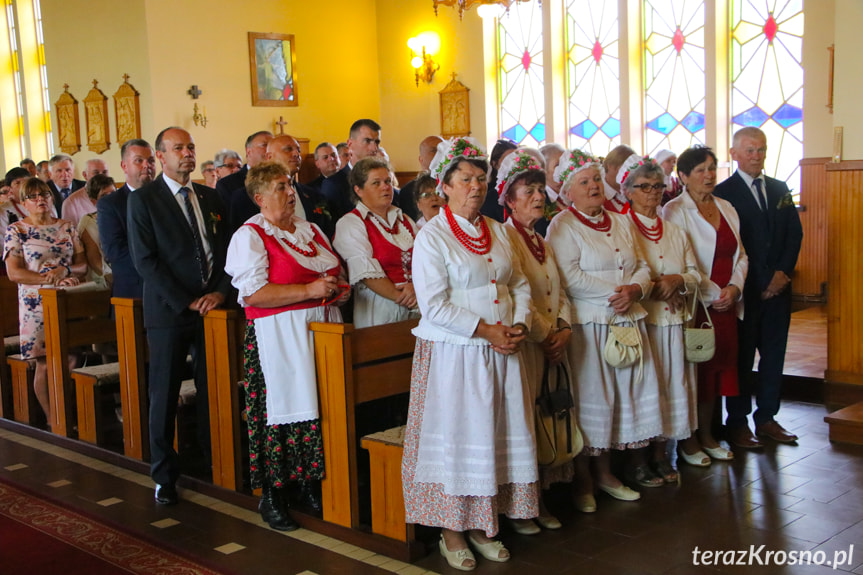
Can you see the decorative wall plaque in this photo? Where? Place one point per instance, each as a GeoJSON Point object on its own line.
{"type": "Point", "coordinates": [96, 110]}
{"type": "Point", "coordinates": [68, 124]}
{"type": "Point", "coordinates": [127, 111]}
{"type": "Point", "coordinates": [455, 109]}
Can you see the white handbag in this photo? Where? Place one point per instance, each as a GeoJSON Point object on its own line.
{"type": "Point", "coordinates": [700, 341]}
{"type": "Point", "coordinates": [623, 344]}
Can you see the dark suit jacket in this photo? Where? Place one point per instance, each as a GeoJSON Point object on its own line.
{"type": "Point", "coordinates": [114, 235]}
{"type": "Point", "coordinates": [226, 186]}
{"type": "Point", "coordinates": [163, 252]}
{"type": "Point", "coordinates": [316, 183]}
{"type": "Point", "coordinates": [58, 199]}
{"type": "Point", "coordinates": [318, 210]}
{"type": "Point", "coordinates": [337, 191]}
{"type": "Point", "coordinates": [408, 201]}
{"type": "Point", "coordinates": [770, 247]}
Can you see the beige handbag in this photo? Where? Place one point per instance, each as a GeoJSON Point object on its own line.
{"type": "Point", "coordinates": [558, 439]}
{"type": "Point", "coordinates": [700, 341]}
{"type": "Point", "coordinates": [623, 345]}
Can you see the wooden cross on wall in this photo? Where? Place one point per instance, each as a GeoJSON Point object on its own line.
{"type": "Point", "coordinates": [280, 126]}
{"type": "Point", "coordinates": [194, 92]}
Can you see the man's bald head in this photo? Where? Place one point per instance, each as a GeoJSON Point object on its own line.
{"type": "Point", "coordinates": [428, 148]}
{"type": "Point", "coordinates": [285, 150]}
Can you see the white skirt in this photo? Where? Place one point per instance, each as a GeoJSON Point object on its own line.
{"type": "Point", "coordinates": [477, 425]}
{"type": "Point", "coordinates": [678, 381]}
{"type": "Point", "coordinates": [370, 309]}
{"type": "Point", "coordinates": [614, 409]}
{"type": "Point", "coordinates": [286, 348]}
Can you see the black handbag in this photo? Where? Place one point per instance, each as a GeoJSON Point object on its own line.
{"type": "Point", "coordinates": [558, 439]}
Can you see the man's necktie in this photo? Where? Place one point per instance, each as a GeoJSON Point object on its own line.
{"type": "Point", "coordinates": [761, 201]}
{"type": "Point", "coordinates": [196, 234]}
{"type": "Point", "coordinates": [65, 192]}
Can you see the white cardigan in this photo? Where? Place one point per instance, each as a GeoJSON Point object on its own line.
{"type": "Point", "coordinates": [683, 212]}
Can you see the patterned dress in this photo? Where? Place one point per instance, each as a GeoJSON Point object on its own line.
{"type": "Point", "coordinates": [42, 248]}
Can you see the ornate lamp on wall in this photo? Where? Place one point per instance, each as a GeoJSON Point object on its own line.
{"type": "Point", "coordinates": [423, 49]}
{"type": "Point", "coordinates": [468, 4]}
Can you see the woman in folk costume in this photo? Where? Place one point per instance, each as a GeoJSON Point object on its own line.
{"type": "Point", "coordinates": [605, 277]}
{"type": "Point", "coordinates": [288, 276]}
{"type": "Point", "coordinates": [469, 451]}
{"type": "Point", "coordinates": [376, 241]}
{"type": "Point", "coordinates": [673, 188]}
{"type": "Point", "coordinates": [674, 272]}
{"type": "Point", "coordinates": [521, 188]}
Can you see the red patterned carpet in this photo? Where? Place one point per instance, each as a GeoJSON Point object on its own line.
{"type": "Point", "coordinates": [37, 537]}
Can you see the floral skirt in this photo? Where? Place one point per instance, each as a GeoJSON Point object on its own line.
{"type": "Point", "coordinates": [427, 503]}
{"type": "Point", "coordinates": [277, 453]}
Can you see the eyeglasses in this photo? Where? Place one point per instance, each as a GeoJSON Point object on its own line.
{"type": "Point", "coordinates": [425, 195]}
{"type": "Point", "coordinates": [650, 187]}
{"type": "Point", "coordinates": [34, 197]}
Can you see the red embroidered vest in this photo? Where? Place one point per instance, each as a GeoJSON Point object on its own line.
{"type": "Point", "coordinates": [284, 269]}
{"type": "Point", "coordinates": [613, 205]}
{"type": "Point", "coordinates": [395, 262]}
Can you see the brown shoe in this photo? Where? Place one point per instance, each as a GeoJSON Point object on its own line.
{"type": "Point", "coordinates": [741, 436]}
{"type": "Point", "coordinates": [775, 432]}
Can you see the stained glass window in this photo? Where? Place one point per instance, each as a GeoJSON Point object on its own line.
{"type": "Point", "coordinates": [674, 77]}
{"type": "Point", "coordinates": [767, 79]}
{"type": "Point", "coordinates": [521, 87]}
{"type": "Point", "coordinates": [593, 75]}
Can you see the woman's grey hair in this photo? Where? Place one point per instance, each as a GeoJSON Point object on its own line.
{"type": "Point", "coordinates": [646, 170]}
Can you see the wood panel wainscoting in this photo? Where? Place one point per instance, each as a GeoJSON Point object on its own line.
{"type": "Point", "coordinates": [844, 375]}
{"type": "Point", "coordinates": [810, 277]}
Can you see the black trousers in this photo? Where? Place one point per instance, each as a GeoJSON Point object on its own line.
{"type": "Point", "coordinates": [765, 328]}
{"type": "Point", "coordinates": [169, 348]}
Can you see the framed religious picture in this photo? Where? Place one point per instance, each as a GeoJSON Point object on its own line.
{"type": "Point", "coordinates": [273, 67]}
{"type": "Point", "coordinates": [455, 109]}
{"type": "Point", "coordinates": [96, 113]}
{"type": "Point", "coordinates": [68, 124]}
{"type": "Point", "coordinates": [127, 111]}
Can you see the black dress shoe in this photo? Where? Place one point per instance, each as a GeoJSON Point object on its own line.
{"type": "Point", "coordinates": [166, 495]}
{"type": "Point", "coordinates": [309, 496]}
{"type": "Point", "coordinates": [274, 511]}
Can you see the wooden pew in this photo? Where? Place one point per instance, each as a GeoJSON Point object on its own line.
{"type": "Point", "coordinates": [9, 334]}
{"type": "Point", "coordinates": [354, 367]}
{"type": "Point", "coordinates": [223, 335]}
{"type": "Point", "coordinates": [73, 317]}
{"type": "Point", "coordinates": [132, 350]}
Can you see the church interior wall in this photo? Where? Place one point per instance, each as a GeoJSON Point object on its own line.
{"type": "Point", "coordinates": [847, 79]}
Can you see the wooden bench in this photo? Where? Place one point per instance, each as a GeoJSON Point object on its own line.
{"type": "Point", "coordinates": [9, 334]}
{"type": "Point", "coordinates": [25, 406]}
{"type": "Point", "coordinates": [93, 385]}
{"type": "Point", "coordinates": [388, 504]}
{"type": "Point", "coordinates": [355, 367]}
{"type": "Point", "coordinates": [74, 317]}
{"type": "Point", "coordinates": [132, 351]}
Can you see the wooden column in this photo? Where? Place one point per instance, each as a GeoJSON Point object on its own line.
{"type": "Point", "coordinates": [132, 349]}
{"type": "Point", "coordinates": [844, 376]}
{"type": "Point", "coordinates": [335, 386]}
{"type": "Point", "coordinates": [223, 337]}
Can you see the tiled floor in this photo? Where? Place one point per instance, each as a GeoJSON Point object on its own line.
{"type": "Point", "coordinates": [806, 355]}
{"type": "Point", "coordinates": [805, 497]}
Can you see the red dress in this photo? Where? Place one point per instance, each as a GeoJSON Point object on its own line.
{"type": "Point", "coordinates": [719, 375]}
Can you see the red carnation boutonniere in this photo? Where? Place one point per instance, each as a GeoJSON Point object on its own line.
{"type": "Point", "coordinates": [214, 219]}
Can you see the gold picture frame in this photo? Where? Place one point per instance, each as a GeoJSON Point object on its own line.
{"type": "Point", "coordinates": [273, 69]}
{"type": "Point", "coordinates": [127, 112]}
{"type": "Point", "coordinates": [455, 109]}
{"type": "Point", "coordinates": [68, 122]}
{"type": "Point", "coordinates": [96, 114]}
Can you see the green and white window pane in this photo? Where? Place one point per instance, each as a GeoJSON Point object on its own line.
{"type": "Point", "coordinates": [521, 89]}
{"type": "Point", "coordinates": [767, 80]}
{"type": "Point", "coordinates": [674, 74]}
{"type": "Point", "coordinates": [593, 75]}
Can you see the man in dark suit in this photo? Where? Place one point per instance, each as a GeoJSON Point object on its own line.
{"type": "Point", "coordinates": [771, 233]}
{"type": "Point", "coordinates": [327, 162]}
{"type": "Point", "coordinates": [256, 151]}
{"type": "Point", "coordinates": [139, 164]}
{"type": "Point", "coordinates": [178, 243]}
{"type": "Point", "coordinates": [312, 207]}
{"type": "Point", "coordinates": [407, 195]}
{"type": "Point", "coordinates": [364, 140]}
{"type": "Point", "coordinates": [63, 181]}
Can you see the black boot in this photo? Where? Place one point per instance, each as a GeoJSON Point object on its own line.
{"type": "Point", "coordinates": [310, 495]}
{"type": "Point", "coordinates": [274, 511]}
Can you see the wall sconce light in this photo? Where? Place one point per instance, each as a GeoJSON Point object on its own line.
{"type": "Point", "coordinates": [423, 48]}
{"type": "Point", "coordinates": [199, 118]}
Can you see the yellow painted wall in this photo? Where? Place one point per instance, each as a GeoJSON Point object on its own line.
{"type": "Point", "coordinates": [75, 54]}
{"type": "Point", "coordinates": [817, 120]}
{"type": "Point", "coordinates": [410, 113]}
{"type": "Point", "coordinates": [848, 81]}
{"type": "Point", "coordinates": [168, 45]}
